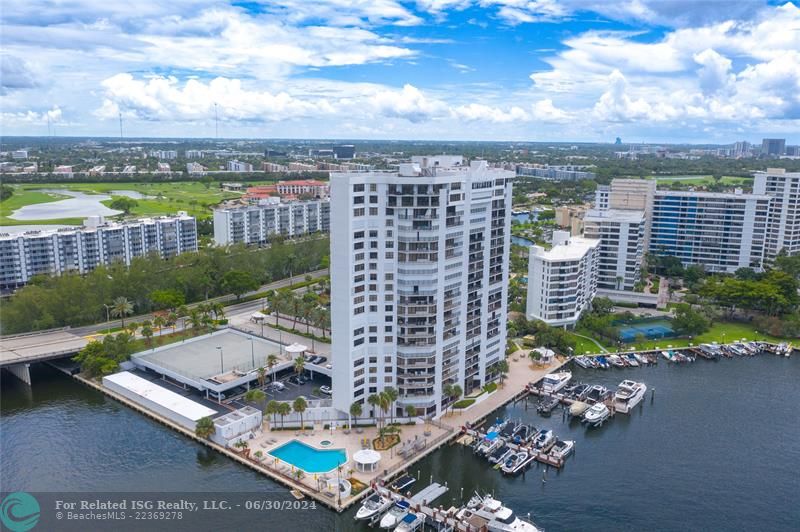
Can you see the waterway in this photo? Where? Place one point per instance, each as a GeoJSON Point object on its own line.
{"type": "Point", "coordinates": [718, 448]}
{"type": "Point", "coordinates": [78, 205]}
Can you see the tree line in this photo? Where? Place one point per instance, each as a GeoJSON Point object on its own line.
{"type": "Point", "coordinates": [75, 300]}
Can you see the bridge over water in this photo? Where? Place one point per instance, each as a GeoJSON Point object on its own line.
{"type": "Point", "coordinates": [18, 352]}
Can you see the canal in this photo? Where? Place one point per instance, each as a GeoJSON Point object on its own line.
{"type": "Point", "coordinates": [718, 448]}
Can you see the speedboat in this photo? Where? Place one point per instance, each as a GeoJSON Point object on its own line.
{"type": "Point", "coordinates": [668, 355]}
{"type": "Point", "coordinates": [508, 430]}
{"type": "Point", "coordinates": [544, 439]}
{"type": "Point", "coordinates": [583, 362]}
{"type": "Point", "coordinates": [489, 443]}
{"type": "Point", "coordinates": [602, 362]}
{"type": "Point", "coordinates": [501, 454]}
{"type": "Point", "coordinates": [579, 391]}
{"type": "Point", "coordinates": [596, 394]}
{"type": "Point", "coordinates": [554, 382]}
{"type": "Point", "coordinates": [402, 483]}
{"type": "Point", "coordinates": [516, 462]}
{"type": "Point", "coordinates": [628, 395]}
{"type": "Point", "coordinates": [641, 359]}
{"type": "Point", "coordinates": [631, 359]}
{"type": "Point", "coordinates": [616, 361]}
{"type": "Point", "coordinates": [373, 505]}
{"type": "Point", "coordinates": [395, 514]}
{"type": "Point", "coordinates": [577, 408]}
{"type": "Point", "coordinates": [410, 522]}
{"type": "Point", "coordinates": [562, 449]}
{"type": "Point", "coordinates": [596, 415]}
{"type": "Point", "coordinates": [487, 513]}
{"type": "Point", "coordinates": [522, 434]}
{"type": "Point", "coordinates": [546, 406]}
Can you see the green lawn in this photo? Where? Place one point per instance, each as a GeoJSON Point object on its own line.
{"type": "Point", "coordinates": [721, 332]}
{"type": "Point", "coordinates": [703, 180]}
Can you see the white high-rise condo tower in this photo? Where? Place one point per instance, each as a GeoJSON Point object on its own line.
{"type": "Point", "coordinates": [419, 277]}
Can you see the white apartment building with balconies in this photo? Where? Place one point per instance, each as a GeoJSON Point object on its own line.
{"type": "Point", "coordinates": [419, 277]}
{"type": "Point", "coordinates": [82, 249]}
{"type": "Point", "coordinates": [256, 224]}
{"type": "Point", "coordinates": [562, 280]}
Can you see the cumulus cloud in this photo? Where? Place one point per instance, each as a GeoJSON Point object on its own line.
{"type": "Point", "coordinates": [409, 103]}
{"type": "Point", "coordinates": [715, 71]}
{"type": "Point", "coordinates": [164, 98]}
{"type": "Point", "coordinates": [30, 117]}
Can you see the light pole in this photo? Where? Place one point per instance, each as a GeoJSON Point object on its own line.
{"type": "Point", "coordinates": [252, 352]}
{"type": "Point", "coordinates": [221, 363]}
{"type": "Point", "coordinates": [108, 318]}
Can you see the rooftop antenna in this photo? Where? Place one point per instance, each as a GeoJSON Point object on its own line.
{"type": "Point", "coordinates": [216, 122]}
{"type": "Point", "coordinates": [120, 124]}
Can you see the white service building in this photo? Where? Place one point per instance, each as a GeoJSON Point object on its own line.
{"type": "Point", "coordinates": [166, 403]}
{"type": "Point", "coordinates": [237, 425]}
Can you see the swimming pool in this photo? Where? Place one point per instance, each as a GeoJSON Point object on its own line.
{"type": "Point", "coordinates": [309, 459]}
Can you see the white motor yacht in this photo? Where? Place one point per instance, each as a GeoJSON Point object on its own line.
{"type": "Point", "coordinates": [395, 514]}
{"type": "Point", "coordinates": [411, 522]}
{"type": "Point", "coordinates": [562, 449]}
{"type": "Point", "coordinates": [544, 439]}
{"type": "Point", "coordinates": [373, 505]}
{"type": "Point", "coordinates": [487, 513]}
{"type": "Point", "coordinates": [596, 415]}
{"type": "Point", "coordinates": [516, 463]}
{"type": "Point", "coordinates": [554, 382]}
{"type": "Point", "coordinates": [628, 395]}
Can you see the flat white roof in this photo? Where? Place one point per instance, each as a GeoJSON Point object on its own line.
{"type": "Point", "coordinates": [614, 215]}
{"type": "Point", "coordinates": [161, 396]}
{"type": "Point", "coordinates": [574, 250]}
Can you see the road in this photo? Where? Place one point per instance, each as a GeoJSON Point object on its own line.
{"type": "Point", "coordinates": [234, 308]}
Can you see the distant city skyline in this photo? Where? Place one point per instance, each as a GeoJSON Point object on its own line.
{"type": "Point", "coordinates": [507, 70]}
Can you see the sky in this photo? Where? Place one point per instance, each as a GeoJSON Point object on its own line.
{"type": "Point", "coordinates": [713, 71]}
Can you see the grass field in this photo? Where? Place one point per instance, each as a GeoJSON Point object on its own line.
{"type": "Point", "coordinates": [163, 198]}
{"type": "Point", "coordinates": [702, 180]}
{"type": "Point", "coordinates": [721, 332]}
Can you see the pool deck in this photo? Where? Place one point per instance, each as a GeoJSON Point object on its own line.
{"type": "Point", "coordinates": [434, 434]}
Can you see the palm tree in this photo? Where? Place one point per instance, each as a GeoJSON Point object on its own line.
{"type": "Point", "coordinates": [384, 402]}
{"type": "Point", "coordinates": [392, 395]}
{"type": "Point", "coordinates": [172, 320]}
{"type": "Point", "coordinates": [284, 410]}
{"type": "Point", "coordinates": [132, 326]}
{"type": "Point", "coordinates": [457, 393]}
{"type": "Point", "coordinates": [272, 361]}
{"type": "Point", "coordinates": [218, 309]}
{"type": "Point", "coordinates": [502, 368]}
{"type": "Point", "coordinates": [147, 332]}
{"type": "Point", "coordinates": [204, 427]}
{"type": "Point", "coordinates": [355, 411]}
{"type": "Point", "coordinates": [159, 322]}
{"type": "Point", "coordinates": [300, 406]}
{"type": "Point", "coordinates": [299, 365]}
{"type": "Point", "coordinates": [255, 396]}
{"type": "Point", "coordinates": [272, 409]}
{"type": "Point", "coordinates": [120, 308]}
{"type": "Point", "coordinates": [373, 401]}
{"type": "Point", "coordinates": [411, 410]}
{"type": "Point", "coordinates": [262, 375]}
{"type": "Point", "coordinates": [195, 319]}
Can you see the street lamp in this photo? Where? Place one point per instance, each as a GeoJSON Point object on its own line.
{"type": "Point", "coordinates": [108, 318]}
{"type": "Point", "coordinates": [221, 363]}
{"type": "Point", "coordinates": [252, 352]}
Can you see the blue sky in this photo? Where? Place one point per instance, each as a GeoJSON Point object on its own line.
{"type": "Point", "coordinates": [541, 70]}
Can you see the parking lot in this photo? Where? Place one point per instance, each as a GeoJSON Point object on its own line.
{"type": "Point", "coordinates": [291, 391]}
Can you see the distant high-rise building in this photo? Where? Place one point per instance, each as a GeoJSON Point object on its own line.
{"type": "Point", "coordinates": [773, 147]}
{"type": "Point", "coordinates": [618, 141]}
{"type": "Point", "coordinates": [622, 246]}
{"type": "Point", "coordinates": [256, 224]}
{"type": "Point", "coordinates": [783, 227]}
{"type": "Point", "coordinates": [194, 154]}
{"type": "Point", "coordinates": [419, 277]}
{"type": "Point", "coordinates": [19, 154]}
{"type": "Point", "coordinates": [239, 166]}
{"type": "Point", "coordinates": [344, 151]}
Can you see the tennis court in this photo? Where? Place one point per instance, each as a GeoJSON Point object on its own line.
{"type": "Point", "coordinates": [649, 329]}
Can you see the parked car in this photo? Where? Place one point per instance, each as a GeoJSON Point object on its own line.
{"type": "Point", "coordinates": [317, 360]}
{"type": "Point", "coordinates": [295, 379]}
{"type": "Point", "coordinates": [326, 390]}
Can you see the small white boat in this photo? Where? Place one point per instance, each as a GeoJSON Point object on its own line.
{"type": "Point", "coordinates": [499, 456]}
{"type": "Point", "coordinates": [554, 382]}
{"type": "Point", "coordinates": [578, 408]}
{"type": "Point", "coordinates": [562, 449]}
{"type": "Point", "coordinates": [632, 361]}
{"type": "Point", "coordinates": [516, 463]}
{"type": "Point", "coordinates": [410, 522]}
{"type": "Point", "coordinates": [628, 395]}
{"type": "Point", "coordinates": [544, 439]}
{"type": "Point", "coordinates": [487, 513]}
{"type": "Point", "coordinates": [395, 514]}
{"type": "Point", "coordinates": [596, 415]}
{"type": "Point", "coordinates": [373, 505]}
{"type": "Point", "coordinates": [616, 361]}
{"type": "Point", "coordinates": [596, 394]}
{"type": "Point", "coordinates": [641, 359]}
{"type": "Point", "coordinates": [583, 362]}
